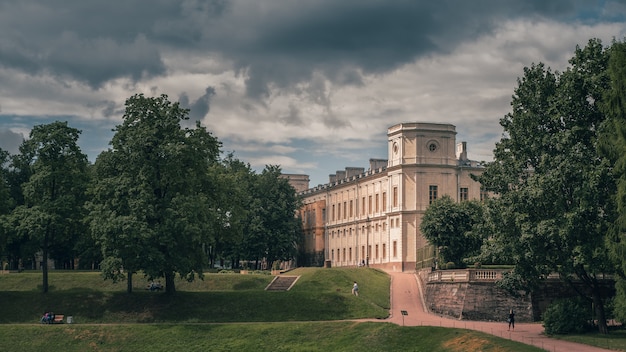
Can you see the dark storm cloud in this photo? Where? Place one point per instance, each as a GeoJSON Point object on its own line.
{"type": "Point", "coordinates": [292, 117]}
{"type": "Point", "coordinates": [89, 41]}
{"type": "Point", "coordinates": [274, 43]}
{"type": "Point", "coordinates": [284, 44]}
{"type": "Point", "coordinates": [108, 108]}
{"type": "Point", "coordinates": [199, 108]}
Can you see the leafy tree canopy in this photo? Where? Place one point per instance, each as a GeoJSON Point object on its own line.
{"type": "Point", "coordinates": [553, 186]}
{"type": "Point", "coordinates": [613, 146]}
{"type": "Point", "coordinates": [152, 206]}
{"type": "Point", "coordinates": [447, 225]}
{"type": "Point", "coordinates": [55, 177]}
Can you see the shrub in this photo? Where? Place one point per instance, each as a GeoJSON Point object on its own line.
{"type": "Point", "coordinates": [450, 265]}
{"type": "Point", "coordinates": [565, 317]}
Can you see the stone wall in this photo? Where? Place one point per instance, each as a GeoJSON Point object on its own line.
{"type": "Point", "coordinates": [472, 295]}
{"type": "Point", "coordinates": [485, 301]}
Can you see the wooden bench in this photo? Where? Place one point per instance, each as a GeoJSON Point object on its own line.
{"type": "Point", "coordinates": [58, 319]}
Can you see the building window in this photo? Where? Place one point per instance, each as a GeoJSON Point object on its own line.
{"type": "Point", "coordinates": [377, 202]}
{"type": "Point", "coordinates": [333, 213]}
{"type": "Point", "coordinates": [351, 209]}
{"type": "Point", "coordinates": [350, 254]}
{"type": "Point", "coordinates": [384, 251]}
{"type": "Point", "coordinates": [432, 194]}
{"type": "Point", "coordinates": [463, 193]}
{"type": "Point", "coordinates": [338, 211]}
{"type": "Point", "coordinates": [384, 201]}
{"type": "Point", "coordinates": [395, 196]}
{"type": "Point", "coordinates": [395, 249]}
{"type": "Point", "coordinates": [376, 251]}
{"type": "Point", "coordinates": [369, 205]}
{"type": "Point", "coordinates": [363, 207]}
{"type": "Point", "coordinates": [345, 213]}
{"type": "Point", "coordinates": [483, 194]}
{"type": "Point", "coordinates": [369, 251]}
{"type": "Point", "coordinates": [344, 254]}
{"type": "Point", "coordinates": [362, 251]}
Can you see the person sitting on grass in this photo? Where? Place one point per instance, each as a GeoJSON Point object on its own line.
{"type": "Point", "coordinates": [45, 319]}
{"type": "Point", "coordinates": [155, 286]}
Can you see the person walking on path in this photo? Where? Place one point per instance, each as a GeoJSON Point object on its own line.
{"type": "Point", "coordinates": [355, 289]}
{"type": "Point", "coordinates": [511, 320]}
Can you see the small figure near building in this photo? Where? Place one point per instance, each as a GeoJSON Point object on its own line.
{"type": "Point", "coordinates": [355, 289]}
{"type": "Point", "coordinates": [511, 320]}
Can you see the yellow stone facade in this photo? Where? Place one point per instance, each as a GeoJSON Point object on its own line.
{"type": "Point", "coordinates": [372, 217]}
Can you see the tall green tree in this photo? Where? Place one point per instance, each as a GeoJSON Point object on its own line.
{"type": "Point", "coordinates": [614, 147]}
{"type": "Point", "coordinates": [114, 225]}
{"type": "Point", "coordinates": [233, 182]}
{"type": "Point", "coordinates": [152, 190]}
{"type": "Point", "coordinates": [554, 188]}
{"type": "Point", "coordinates": [6, 204]}
{"type": "Point", "coordinates": [447, 225]}
{"type": "Point", "coordinates": [54, 193]}
{"type": "Point", "coordinates": [274, 229]}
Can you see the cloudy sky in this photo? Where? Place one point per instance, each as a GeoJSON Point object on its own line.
{"type": "Point", "coordinates": [311, 85]}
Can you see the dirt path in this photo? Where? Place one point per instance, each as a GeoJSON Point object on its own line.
{"type": "Point", "coordinates": [406, 296]}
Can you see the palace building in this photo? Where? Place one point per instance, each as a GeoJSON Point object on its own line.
{"type": "Point", "coordinates": [372, 217]}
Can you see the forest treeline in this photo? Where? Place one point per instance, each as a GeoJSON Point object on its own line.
{"type": "Point", "coordinates": [162, 200]}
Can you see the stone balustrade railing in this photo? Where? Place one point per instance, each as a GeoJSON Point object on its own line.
{"type": "Point", "coordinates": [465, 275]}
{"type": "Point", "coordinates": [481, 275]}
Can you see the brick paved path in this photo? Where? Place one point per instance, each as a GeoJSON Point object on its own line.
{"type": "Point", "coordinates": [406, 295]}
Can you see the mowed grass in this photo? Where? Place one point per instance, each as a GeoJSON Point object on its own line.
{"type": "Point", "coordinates": [318, 295]}
{"type": "Point", "coordinates": [300, 336]}
{"type": "Point", "coordinates": [106, 318]}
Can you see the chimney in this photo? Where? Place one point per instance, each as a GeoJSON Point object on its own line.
{"type": "Point", "coordinates": [461, 151]}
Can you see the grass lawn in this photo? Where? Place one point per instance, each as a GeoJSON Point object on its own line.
{"type": "Point", "coordinates": [318, 295]}
{"type": "Point", "coordinates": [223, 312]}
{"type": "Point", "coordinates": [615, 340]}
{"type": "Point", "coordinates": [301, 336]}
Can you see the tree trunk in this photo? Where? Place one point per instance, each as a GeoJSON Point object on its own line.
{"type": "Point", "coordinates": [129, 282]}
{"type": "Point", "coordinates": [44, 268]}
{"type": "Point", "coordinates": [599, 310]}
{"type": "Point", "coordinates": [170, 286]}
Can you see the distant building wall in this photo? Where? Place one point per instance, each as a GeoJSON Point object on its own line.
{"type": "Point", "coordinates": [299, 182]}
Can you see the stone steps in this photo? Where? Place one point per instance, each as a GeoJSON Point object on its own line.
{"type": "Point", "coordinates": [282, 283]}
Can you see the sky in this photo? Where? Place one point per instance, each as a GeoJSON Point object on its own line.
{"type": "Point", "coordinates": [310, 85]}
